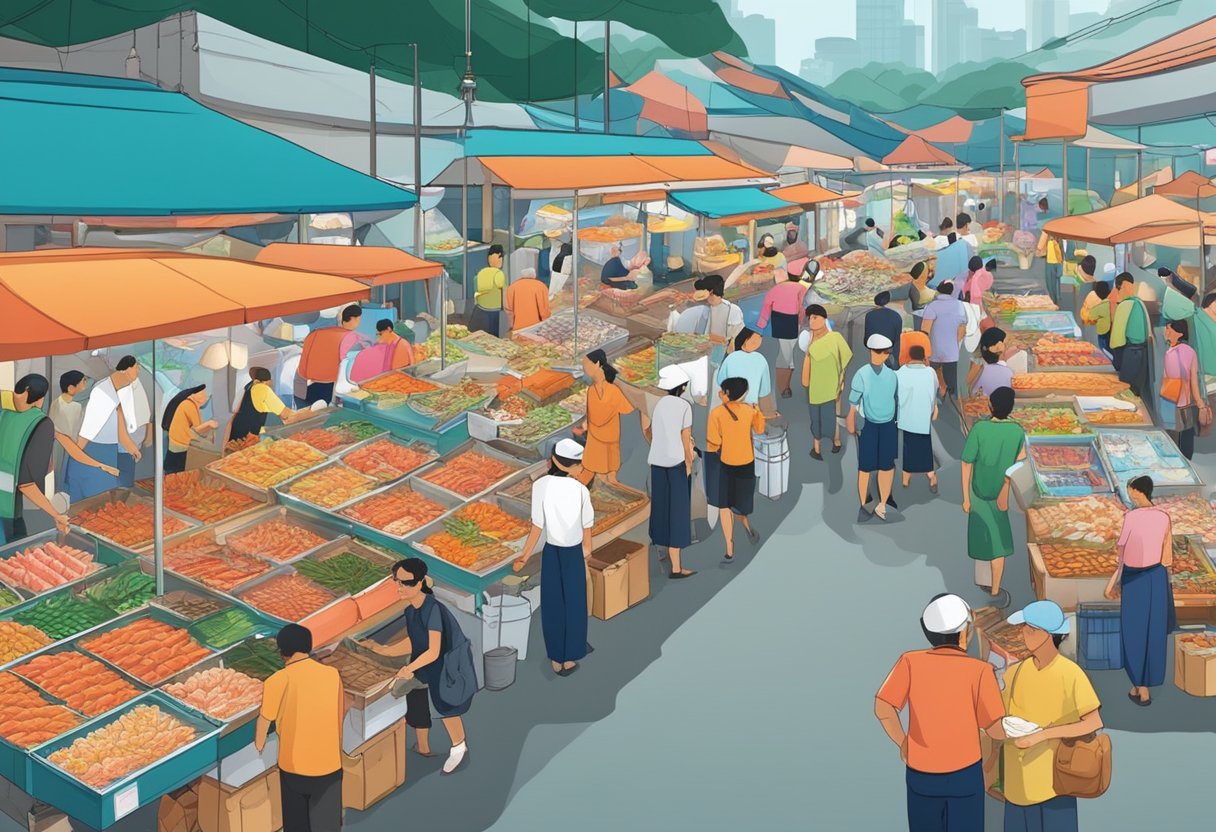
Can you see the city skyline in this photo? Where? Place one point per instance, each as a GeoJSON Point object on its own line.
{"type": "Point", "coordinates": [794, 44]}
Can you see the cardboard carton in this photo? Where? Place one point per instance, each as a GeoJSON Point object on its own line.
{"type": "Point", "coordinates": [178, 811]}
{"type": "Point", "coordinates": [44, 818]}
{"type": "Point", "coordinates": [375, 769]}
{"type": "Point", "coordinates": [1194, 671]}
{"type": "Point", "coordinates": [256, 806]}
{"type": "Point", "coordinates": [632, 557]}
{"type": "Point", "coordinates": [609, 587]}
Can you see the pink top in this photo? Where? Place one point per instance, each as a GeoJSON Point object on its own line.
{"type": "Point", "coordinates": [1179, 361]}
{"type": "Point", "coordinates": [977, 285]}
{"type": "Point", "coordinates": [785, 298]}
{"type": "Point", "coordinates": [1143, 536]}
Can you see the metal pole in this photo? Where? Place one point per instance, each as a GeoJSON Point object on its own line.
{"type": "Point", "coordinates": [574, 256]}
{"type": "Point", "coordinates": [1064, 174]}
{"type": "Point", "coordinates": [371, 120]}
{"type": "Point", "coordinates": [464, 270]}
{"type": "Point", "coordinates": [1087, 172]}
{"type": "Point", "coordinates": [300, 233]}
{"type": "Point", "coordinates": [158, 483]}
{"type": "Point", "coordinates": [1000, 191]}
{"type": "Point", "coordinates": [607, 75]}
{"type": "Point", "coordinates": [576, 76]}
{"type": "Point", "coordinates": [1139, 173]}
{"type": "Point", "coordinates": [1203, 258]}
{"type": "Point", "coordinates": [510, 234]}
{"type": "Point", "coordinates": [419, 233]}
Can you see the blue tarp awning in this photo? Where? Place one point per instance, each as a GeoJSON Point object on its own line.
{"type": "Point", "coordinates": [729, 202]}
{"type": "Point", "coordinates": [81, 145]}
{"type": "Point", "coordinates": [488, 143]}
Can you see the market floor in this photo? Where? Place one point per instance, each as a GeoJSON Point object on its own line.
{"type": "Point", "coordinates": [743, 697]}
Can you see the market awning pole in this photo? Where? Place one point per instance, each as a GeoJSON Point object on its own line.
{"type": "Point", "coordinates": [574, 257]}
{"type": "Point", "coordinates": [1087, 172]}
{"type": "Point", "coordinates": [1064, 174]}
{"type": "Point", "coordinates": [576, 76]}
{"type": "Point", "coordinates": [1000, 201]}
{"type": "Point", "coordinates": [607, 75]}
{"type": "Point", "coordinates": [1139, 173]}
{"type": "Point", "coordinates": [371, 121]}
{"type": "Point", "coordinates": [1203, 258]}
{"type": "Point", "coordinates": [158, 482]}
{"type": "Point", "coordinates": [419, 233]}
{"type": "Point", "coordinates": [464, 267]}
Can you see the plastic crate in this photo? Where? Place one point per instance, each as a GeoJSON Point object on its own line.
{"type": "Point", "coordinates": [1099, 644]}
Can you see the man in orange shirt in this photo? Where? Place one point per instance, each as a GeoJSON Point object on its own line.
{"type": "Point", "coordinates": [912, 339]}
{"type": "Point", "coordinates": [324, 350]}
{"type": "Point", "coordinates": [951, 697]}
{"type": "Point", "coordinates": [527, 301]}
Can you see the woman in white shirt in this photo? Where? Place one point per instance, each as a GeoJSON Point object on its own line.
{"type": "Point", "coordinates": [561, 510]}
{"type": "Point", "coordinates": [668, 431]}
{"type": "Point", "coordinates": [109, 422]}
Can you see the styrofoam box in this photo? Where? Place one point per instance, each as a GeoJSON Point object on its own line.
{"type": "Point", "coordinates": [243, 765]}
{"type": "Point", "coordinates": [361, 724]}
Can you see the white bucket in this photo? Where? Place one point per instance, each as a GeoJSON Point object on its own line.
{"type": "Point", "coordinates": [772, 465]}
{"type": "Point", "coordinates": [507, 622]}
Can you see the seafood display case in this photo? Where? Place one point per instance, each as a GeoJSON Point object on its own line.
{"type": "Point", "coordinates": [1134, 453]}
{"type": "Point", "coordinates": [123, 518]}
{"type": "Point", "coordinates": [1068, 467]}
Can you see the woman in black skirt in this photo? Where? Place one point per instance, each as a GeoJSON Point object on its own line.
{"type": "Point", "coordinates": [729, 443]}
{"type": "Point", "coordinates": [668, 431]}
{"type": "Point", "coordinates": [916, 412]}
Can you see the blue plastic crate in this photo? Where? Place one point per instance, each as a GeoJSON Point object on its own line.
{"type": "Point", "coordinates": [100, 808]}
{"type": "Point", "coordinates": [1099, 645]}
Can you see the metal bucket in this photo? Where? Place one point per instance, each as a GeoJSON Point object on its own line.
{"type": "Point", "coordinates": [500, 667]}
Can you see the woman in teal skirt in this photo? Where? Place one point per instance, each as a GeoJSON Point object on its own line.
{"type": "Point", "coordinates": [992, 448]}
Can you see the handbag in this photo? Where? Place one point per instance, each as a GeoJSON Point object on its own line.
{"type": "Point", "coordinates": [458, 679]}
{"type": "Point", "coordinates": [1081, 765]}
{"type": "Point", "coordinates": [1172, 389]}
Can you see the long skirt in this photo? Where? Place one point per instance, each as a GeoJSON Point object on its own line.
{"type": "Point", "coordinates": [1134, 369]}
{"type": "Point", "coordinates": [84, 481]}
{"type": "Point", "coordinates": [918, 452]}
{"type": "Point", "coordinates": [670, 506]}
{"type": "Point", "coordinates": [563, 609]}
{"type": "Point", "coordinates": [989, 535]}
{"type": "Point", "coordinates": [1146, 620]}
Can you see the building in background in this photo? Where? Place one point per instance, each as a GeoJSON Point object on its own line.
{"type": "Point", "coordinates": [1002, 44]}
{"type": "Point", "coordinates": [1083, 20]}
{"type": "Point", "coordinates": [956, 37]}
{"type": "Point", "coordinates": [840, 54]}
{"type": "Point", "coordinates": [816, 71]}
{"type": "Point", "coordinates": [884, 35]}
{"type": "Point", "coordinates": [1046, 19]}
{"type": "Point", "coordinates": [759, 33]}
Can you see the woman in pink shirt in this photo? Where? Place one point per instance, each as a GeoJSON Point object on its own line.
{"type": "Point", "coordinates": [978, 281]}
{"type": "Point", "coordinates": [1180, 400]}
{"type": "Point", "coordinates": [1147, 611]}
{"type": "Point", "coordinates": [783, 304]}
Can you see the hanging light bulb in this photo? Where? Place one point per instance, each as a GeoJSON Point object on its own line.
{"type": "Point", "coordinates": [133, 67]}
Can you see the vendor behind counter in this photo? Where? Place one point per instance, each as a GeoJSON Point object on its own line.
{"type": "Point", "coordinates": [27, 438]}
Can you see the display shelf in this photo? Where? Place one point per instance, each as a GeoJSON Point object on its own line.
{"type": "Point", "coordinates": [130, 497]}
{"type": "Point", "coordinates": [105, 554]}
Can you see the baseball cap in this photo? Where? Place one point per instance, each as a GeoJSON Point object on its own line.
{"type": "Point", "coordinates": [1043, 615]}
{"type": "Point", "coordinates": [569, 449]}
{"type": "Point", "coordinates": [671, 377]}
{"type": "Point", "coordinates": [946, 615]}
{"type": "Point", "coordinates": [878, 341]}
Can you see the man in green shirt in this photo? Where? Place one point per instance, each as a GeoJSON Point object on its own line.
{"type": "Point", "coordinates": [1129, 337]}
{"type": "Point", "coordinates": [487, 294]}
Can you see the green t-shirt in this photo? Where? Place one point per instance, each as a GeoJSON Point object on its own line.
{"type": "Point", "coordinates": [991, 448]}
{"type": "Point", "coordinates": [1131, 323]}
{"type": "Point", "coordinates": [829, 355]}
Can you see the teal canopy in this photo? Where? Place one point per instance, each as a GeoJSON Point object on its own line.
{"type": "Point", "coordinates": [727, 202]}
{"type": "Point", "coordinates": [113, 147]}
{"type": "Point", "coordinates": [482, 142]}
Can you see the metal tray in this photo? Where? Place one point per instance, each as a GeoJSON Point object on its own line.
{"type": "Point", "coordinates": [376, 556]}
{"type": "Point", "coordinates": [287, 498]}
{"type": "Point", "coordinates": [330, 531]}
{"type": "Point", "coordinates": [258, 496]}
{"type": "Point", "coordinates": [268, 490]}
{"type": "Point", "coordinates": [388, 437]}
{"type": "Point", "coordinates": [55, 649]}
{"type": "Point", "coordinates": [360, 698]}
{"type": "Point", "coordinates": [1145, 420]}
{"type": "Point", "coordinates": [279, 572]}
{"type": "Point", "coordinates": [515, 546]}
{"type": "Point", "coordinates": [325, 423]}
{"type": "Point", "coordinates": [1090, 442]}
{"type": "Point", "coordinates": [187, 582]}
{"type": "Point", "coordinates": [103, 555]}
{"type": "Point", "coordinates": [154, 613]}
{"type": "Point", "coordinates": [470, 445]}
{"type": "Point", "coordinates": [574, 360]}
{"type": "Point", "coordinates": [126, 495]}
{"type": "Point", "coordinates": [421, 487]}
{"type": "Point", "coordinates": [14, 759]}
{"type": "Point", "coordinates": [102, 807]}
{"type": "Point", "coordinates": [224, 603]}
{"type": "Point", "coordinates": [237, 730]}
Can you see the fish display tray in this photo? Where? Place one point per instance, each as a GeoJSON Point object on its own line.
{"type": "Point", "coordinates": [279, 572]}
{"type": "Point", "coordinates": [330, 531]}
{"type": "Point", "coordinates": [106, 556]}
{"type": "Point", "coordinates": [154, 613]}
{"type": "Point", "coordinates": [100, 808]}
{"type": "Point", "coordinates": [127, 495]}
{"type": "Point", "coordinates": [236, 731]}
{"type": "Point", "coordinates": [360, 698]}
{"type": "Point", "coordinates": [258, 495]}
{"type": "Point", "coordinates": [478, 447]}
{"type": "Point", "coordinates": [421, 487]}
{"type": "Point", "coordinates": [15, 763]}
{"type": "Point", "coordinates": [482, 568]}
{"type": "Point", "coordinates": [1049, 481]}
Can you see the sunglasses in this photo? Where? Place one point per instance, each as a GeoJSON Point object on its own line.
{"type": "Point", "coordinates": [411, 582]}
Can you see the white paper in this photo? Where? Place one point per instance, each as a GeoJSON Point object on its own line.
{"type": "Point", "coordinates": [126, 801]}
{"type": "Point", "coordinates": [1104, 403]}
{"type": "Point", "coordinates": [1017, 727]}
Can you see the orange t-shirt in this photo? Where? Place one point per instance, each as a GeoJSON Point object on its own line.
{"type": "Point", "coordinates": [909, 340]}
{"type": "Point", "coordinates": [951, 697]}
{"type": "Point", "coordinates": [322, 354]}
{"type": "Point", "coordinates": [604, 414]}
{"type": "Point", "coordinates": [528, 302]}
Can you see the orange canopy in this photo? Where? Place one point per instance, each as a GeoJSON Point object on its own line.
{"type": "Point", "coordinates": [806, 194]}
{"type": "Point", "coordinates": [954, 130]}
{"type": "Point", "coordinates": [1058, 105]}
{"type": "Point", "coordinates": [670, 104]}
{"type": "Point", "coordinates": [567, 173]}
{"type": "Point", "coordinates": [1190, 184]}
{"type": "Point", "coordinates": [373, 265]}
{"type": "Point", "coordinates": [89, 298]}
{"type": "Point", "coordinates": [186, 221]}
{"type": "Point", "coordinates": [1136, 221]}
{"type": "Point", "coordinates": [916, 151]}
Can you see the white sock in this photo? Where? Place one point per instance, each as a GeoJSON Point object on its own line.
{"type": "Point", "coordinates": [455, 757]}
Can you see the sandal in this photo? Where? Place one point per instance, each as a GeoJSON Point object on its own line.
{"type": "Point", "coordinates": [414, 748]}
{"type": "Point", "coordinates": [1139, 701]}
{"type": "Point", "coordinates": [837, 447]}
{"type": "Point", "coordinates": [675, 576]}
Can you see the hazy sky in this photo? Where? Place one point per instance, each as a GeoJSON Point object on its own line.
{"type": "Point", "coordinates": [838, 17]}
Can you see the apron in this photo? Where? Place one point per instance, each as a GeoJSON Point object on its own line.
{"type": "Point", "coordinates": [248, 420]}
{"type": "Point", "coordinates": [15, 432]}
{"type": "Point", "coordinates": [784, 326]}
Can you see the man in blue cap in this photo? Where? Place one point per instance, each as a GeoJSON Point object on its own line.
{"type": "Point", "coordinates": [1055, 696]}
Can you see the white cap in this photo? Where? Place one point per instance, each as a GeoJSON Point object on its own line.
{"type": "Point", "coordinates": [945, 615]}
{"type": "Point", "coordinates": [969, 203]}
{"type": "Point", "coordinates": [569, 449]}
{"type": "Point", "coordinates": [671, 377]}
{"type": "Point", "coordinates": [878, 342]}
{"type": "Point", "coordinates": [1109, 269]}
{"type": "Point", "coordinates": [527, 272]}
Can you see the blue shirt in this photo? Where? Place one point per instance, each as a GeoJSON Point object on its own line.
{"type": "Point", "coordinates": [875, 392]}
{"type": "Point", "coordinates": [947, 315]}
{"type": "Point", "coordinates": [616, 268]}
{"type": "Point", "coordinates": [749, 365]}
{"type": "Point", "coordinates": [951, 264]}
{"type": "Point", "coordinates": [917, 393]}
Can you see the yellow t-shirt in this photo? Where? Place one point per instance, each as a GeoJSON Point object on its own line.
{"type": "Point", "coordinates": [1058, 694]}
{"type": "Point", "coordinates": [490, 283]}
{"type": "Point", "coordinates": [186, 417]}
{"type": "Point", "coordinates": [6, 400]}
{"type": "Point", "coordinates": [304, 700]}
{"type": "Point", "coordinates": [265, 400]}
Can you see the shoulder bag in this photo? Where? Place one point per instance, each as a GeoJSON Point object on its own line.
{"type": "Point", "coordinates": [1082, 765]}
{"type": "Point", "coordinates": [458, 679]}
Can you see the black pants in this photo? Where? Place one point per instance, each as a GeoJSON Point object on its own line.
{"type": "Point", "coordinates": [949, 376]}
{"type": "Point", "coordinates": [1133, 369]}
{"type": "Point", "coordinates": [175, 462]}
{"type": "Point", "coordinates": [1185, 440]}
{"type": "Point", "coordinates": [311, 804]}
{"type": "Point", "coordinates": [318, 391]}
{"type": "Point", "coordinates": [418, 709]}
{"type": "Point", "coordinates": [14, 529]}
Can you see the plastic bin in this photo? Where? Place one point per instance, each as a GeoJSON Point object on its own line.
{"type": "Point", "coordinates": [772, 464]}
{"type": "Point", "coordinates": [507, 622]}
{"type": "Point", "coordinates": [1099, 645]}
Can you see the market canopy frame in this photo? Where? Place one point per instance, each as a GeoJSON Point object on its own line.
{"type": "Point", "coordinates": [1147, 219]}
{"type": "Point", "coordinates": [371, 265]}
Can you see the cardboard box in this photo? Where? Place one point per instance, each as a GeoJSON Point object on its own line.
{"type": "Point", "coordinates": [178, 811]}
{"type": "Point", "coordinates": [609, 588]}
{"type": "Point", "coordinates": [1194, 672]}
{"type": "Point", "coordinates": [45, 818]}
{"type": "Point", "coordinates": [362, 725]}
{"type": "Point", "coordinates": [637, 567]}
{"type": "Point", "coordinates": [256, 806]}
{"type": "Point", "coordinates": [375, 769]}
{"type": "Point", "coordinates": [244, 764]}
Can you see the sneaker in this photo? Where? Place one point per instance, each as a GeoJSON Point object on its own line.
{"type": "Point", "coordinates": [786, 394]}
{"type": "Point", "coordinates": [457, 757]}
{"type": "Point", "coordinates": [816, 455]}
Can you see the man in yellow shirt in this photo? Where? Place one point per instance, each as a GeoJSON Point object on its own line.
{"type": "Point", "coordinates": [1054, 694]}
{"type": "Point", "coordinates": [1055, 267]}
{"type": "Point", "coordinates": [487, 294]}
{"type": "Point", "coordinates": [304, 700]}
